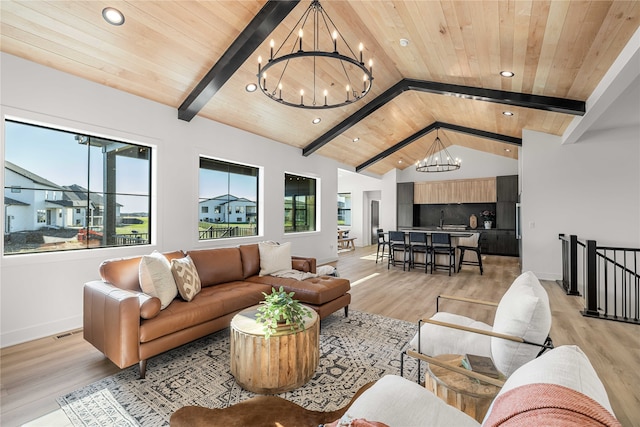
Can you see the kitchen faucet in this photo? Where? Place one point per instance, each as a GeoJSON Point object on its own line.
{"type": "Point", "coordinates": [441, 218]}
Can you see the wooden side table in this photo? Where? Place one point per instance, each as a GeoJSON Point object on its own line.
{"type": "Point", "coordinates": [460, 391]}
{"type": "Point", "coordinates": [285, 361]}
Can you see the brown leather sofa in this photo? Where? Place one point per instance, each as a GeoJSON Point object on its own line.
{"type": "Point", "coordinates": [129, 327]}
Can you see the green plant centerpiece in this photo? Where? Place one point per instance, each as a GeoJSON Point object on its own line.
{"type": "Point", "coordinates": [279, 307]}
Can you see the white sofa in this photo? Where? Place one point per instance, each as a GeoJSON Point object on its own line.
{"type": "Point", "coordinates": [544, 388]}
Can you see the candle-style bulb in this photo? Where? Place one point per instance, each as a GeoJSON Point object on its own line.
{"type": "Point", "coordinates": [371, 66]}
{"type": "Point", "coordinates": [300, 38]}
{"type": "Point", "coordinates": [280, 90]}
{"type": "Point", "coordinates": [361, 47]}
{"type": "Point", "coordinates": [335, 41]}
{"type": "Point", "coordinates": [348, 89]}
{"type": "Point", "coordinates": [271, 44]}
{"type": "Point", "coordinates": [301, 97]}
{"type": "Point", "coordinates": [325, 96]}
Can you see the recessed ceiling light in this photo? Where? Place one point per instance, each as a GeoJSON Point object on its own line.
{"type": "Point", "coordinates": [507, 73]}
{"type": "Point", "coordinates": [404, 42]}
{"type": "Point", "coordinates": [113, 16]}
{"type": "Point", "coordinates": [316, 120]}
{"type": "Point", "coordinates": [507, 150]}
{"type": "Point", "coordinates": [251, 87]}
{"type": "Point", "coordinates": [356, 139]}
{"type": "Point", "coordinates": [399, 161]}
{"type": "Point", "coordinates": [507, 113]}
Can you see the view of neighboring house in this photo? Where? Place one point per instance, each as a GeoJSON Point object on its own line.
{"type": "Point", "coordinates": [32, 202]}
{"type": "Point", "coordinates": [227, 209]}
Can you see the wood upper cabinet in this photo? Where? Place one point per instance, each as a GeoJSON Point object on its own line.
{"type": "Point", "coordinates": [479, 190]}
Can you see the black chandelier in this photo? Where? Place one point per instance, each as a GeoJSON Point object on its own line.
{"type": "Point", "coordinates": [305, 88]}
{"type": "Point", "coordinates": [438, 159]}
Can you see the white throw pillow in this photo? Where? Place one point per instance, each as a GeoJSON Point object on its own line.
{"type": "Point", "coordinates": [274, 257]}
{"type": "Point", "coordinates": [156, 278]}
{"type": "Point", "coordinates": [524, 312]}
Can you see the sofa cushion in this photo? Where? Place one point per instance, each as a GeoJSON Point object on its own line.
{"type": "Point", "coordinates": [156, 278]}
{"type": "Point", "coordinates": [396, 401]}
{"type": "Point", "coordinates": [523, 311]}
{"type": "Point", "coordinates": [250, 255]}
{"type": "Point", "coordinates": [435, 340]}
{"type": "Point", "coordinates": [186, 277]}
{"type": "Point", "coordinates": [316, 290]}
{"type": "Point", "coordinates": [274, 257]}
{"type": "Point", "coordinates": [220, 265]}
{"type": "Point", "coordinates": [212, 302]}
{"type": "Point", "coordinates": [124, 273]}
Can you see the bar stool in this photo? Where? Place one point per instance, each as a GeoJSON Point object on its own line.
{"type": "Point", "coordinates": [398, 244]}
{"type": "Point", "coordinates": [418, 245]}
{"type": "Point", "coordinates": [382, 243]}
{"type": "Point", "coordinates": [470, 244]}
{"type": "Point", "coordinates": [441, 245]}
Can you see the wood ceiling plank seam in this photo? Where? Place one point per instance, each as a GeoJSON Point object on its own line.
{"type": "Point", "coordinates": [557, 18]}
{"type": "Point", "coordinates": [439, 43]}
{"type": "Point", "coordinates": [492, 28]}
{"type": "Point", "coordinates": [522, 26]}
{"type": "Point", "coordinates": [620, 24]}
{"type": "Point", "coordinates": [457, 55]}
{"type": "Point", "coordinates": [575, 33]}
{"type": "Point", "coordinates": [481, 43]}
{"type": "Point", "coordinates": [539, 16]}
{"type": "Point", "coordinates": [506, 10]}
{"type": "Point", "coordinates": [461, 35]}
{"type": "Point", "coordinates": [254, 34]}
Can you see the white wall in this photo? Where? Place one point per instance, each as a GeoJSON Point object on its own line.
{"type": "Point", "coordinates": [475, 164]}
{"type": "Point", "coordinates": [590, 189]}
{"type": "Point", "coordinates": [41, 294]}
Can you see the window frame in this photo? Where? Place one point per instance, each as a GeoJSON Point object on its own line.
{"type": "Point", "coordinates": [225, 209]}
{"type": "Point", "coordinates": [94, 135]}
{"type": "Point", "coordinates": [345, 209]}
{"type": "Point", "coordinates": [294, 214]}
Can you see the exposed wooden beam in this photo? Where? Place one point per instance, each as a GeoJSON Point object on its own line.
{"type": "Point", "coordinates": [369, 108]}
{"type": "Point", "coordinates": [433, 126]}
{"type": "Point", "coordinates": [547, 103]}
{"type": "Point", "coordinates": [269, 17]}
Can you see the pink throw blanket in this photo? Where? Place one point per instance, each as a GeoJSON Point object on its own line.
{"type": "Point", "coordinates": [548, 405]}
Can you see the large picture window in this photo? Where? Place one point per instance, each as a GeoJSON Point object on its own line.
{"type": "Point", "coordinates": [299, 203]}
{"type": "Point", "coordinates": [228, 200]}
{"type": "Point", "coordinates": [344, 208]}
{"type": "Point", "coordinates": [74, 191]}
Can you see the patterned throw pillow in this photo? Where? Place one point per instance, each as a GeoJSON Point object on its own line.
{"type": "Point", "coordinates": [156, 279]}
{"type": "Point", "coordinates": [186, 276]}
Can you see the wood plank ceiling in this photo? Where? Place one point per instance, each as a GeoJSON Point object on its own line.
{"type": "Point", "coordinates": [559, 49]}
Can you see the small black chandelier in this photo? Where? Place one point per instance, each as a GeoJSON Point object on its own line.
{"type": "Point", "coordinates": [438, 159]}
{"type": "Point", "coordinates": [302, 90]}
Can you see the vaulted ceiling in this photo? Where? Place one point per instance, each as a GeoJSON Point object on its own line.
{"type": "Point", "coordinates": [447, 76]}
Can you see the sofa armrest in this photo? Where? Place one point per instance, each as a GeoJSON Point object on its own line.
{"type": "Point", "coordinates": [305, 264]}
{"type": "Point", "coordinates": [111, 321]}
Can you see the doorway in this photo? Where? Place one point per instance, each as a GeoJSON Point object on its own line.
{"type": "Point", "coordinates": [375, 220]}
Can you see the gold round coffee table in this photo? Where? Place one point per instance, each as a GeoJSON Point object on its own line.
{"type": "Point", "coordinates": [285, 361]}
{"type": "Point", "coordinates": [460, 391]}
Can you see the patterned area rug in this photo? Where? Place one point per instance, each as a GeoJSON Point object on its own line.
{"type": "Point", "coordinates": [353, 352]}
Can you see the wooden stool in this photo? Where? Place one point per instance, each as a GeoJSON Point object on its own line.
{"type": "Point", "coordinates": [285, 361]}
{"type": "Point", "coordinates": [466, 394]}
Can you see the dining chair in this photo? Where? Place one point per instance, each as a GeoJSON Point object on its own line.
{"type": "Point", "coordinates": [382, 244]}
{"type": "Point", "coordinates": [470, 244]}
{"type": "Point", "coordinates": [418, 245]}
{"type": "Point", "coordinates": [397, 244]}
{"type": "Point", "coordinates": [441, 245]}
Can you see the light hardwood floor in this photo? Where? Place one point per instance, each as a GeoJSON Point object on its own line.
{"type": "Point", "coordinates": [35, 373]}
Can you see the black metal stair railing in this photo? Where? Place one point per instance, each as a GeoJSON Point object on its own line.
{"type": "Point", "coordinates": [609, 278]}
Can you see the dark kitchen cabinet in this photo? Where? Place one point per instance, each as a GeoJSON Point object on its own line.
{"type": "Point", "coordinates": [499, 242]}
{"type": "Point", "coordinates": [507, 196]}
{"type": "Point", "coordinates": [405, 204]}
{"type": "Point", "coordinates": [507, 188]}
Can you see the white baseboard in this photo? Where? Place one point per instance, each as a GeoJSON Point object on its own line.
{"type": "Point", "coordinates": [39, 331]}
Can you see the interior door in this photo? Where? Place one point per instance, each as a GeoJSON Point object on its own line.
{"type": "Point", "coordinates": [375, 220]}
